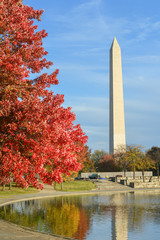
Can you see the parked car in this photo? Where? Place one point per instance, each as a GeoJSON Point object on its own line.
{"type": "Point", "coordinates": [93, 176]}
{"type": "Point", "coordinates": [119, 175]}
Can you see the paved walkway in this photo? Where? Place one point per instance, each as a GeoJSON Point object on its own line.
{"type": "Point", "coordinates": [10, 231]}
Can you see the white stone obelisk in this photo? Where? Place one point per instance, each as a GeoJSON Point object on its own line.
{"type": "Point", "coordinates": [116, 119]}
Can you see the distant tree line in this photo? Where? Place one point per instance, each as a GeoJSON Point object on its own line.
{"type": "Point", "coordinates": [131, 158]}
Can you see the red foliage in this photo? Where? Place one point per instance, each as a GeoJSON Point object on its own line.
{"type": "Point", "coordinates": [38, 140]}
{"type": "Point", "coordinates": [107, 164]}
{"type": "Point", "coordinates": [84, 155]}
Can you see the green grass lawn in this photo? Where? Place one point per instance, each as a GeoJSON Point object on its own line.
{"type": "Point", "coordinates": [67, 186]}
{"type": "Point", "coordinates": [15, 191]}
{"type": "Point", "coordinates": [76, 186]}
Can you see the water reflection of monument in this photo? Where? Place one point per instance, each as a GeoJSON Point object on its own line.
{"type": "Point", "coordinates": [119, 218]}
{"type": "Point", "coordinates": [111, 208]}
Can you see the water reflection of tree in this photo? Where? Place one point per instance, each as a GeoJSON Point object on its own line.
{"type": "Point", "coordinates": [144, 207]}
{"type": "Point", "coordinates": [149, 203]}
{"type": "Point", "coordinates": [82, 227]}
{"type": "Point", "coordinates": [63, 220]}
{"type": "Point", "coordinates": [60, 216]}
{"type": "Point", "coordinates": [67, 217]}
{"type": "Point", "coordinates": [136, 216]}
{"type": "Point", "coordinates": [23, 213]}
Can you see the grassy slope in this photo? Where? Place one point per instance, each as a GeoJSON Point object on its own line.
{"type": "Point", "coordinates": [67, 186]}
{"type": "Point", "coordinates": [15, 191]}
{"type": "Point", "coordinates": [76, 186]}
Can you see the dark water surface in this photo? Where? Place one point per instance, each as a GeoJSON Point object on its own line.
{"type": "Point", "coordinates": [120, 216]}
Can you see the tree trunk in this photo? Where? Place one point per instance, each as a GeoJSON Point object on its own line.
{"type": "Point", "coordinates": [61, 185]}
{"type": "Point", "coordinates": [143, 175]}
{"type": "Point", "coordinates": [11, 208]}
{"type": "Point", "coordinates": [133, 172]}
{"type": "Point", "coordinates": [4, 209]}
{"type": "Point", "coordinates": [3, 187]}
{"type": "Point", "coordinates": [10, 186]}
{"type": "Point", "coordinates": [158, 170]}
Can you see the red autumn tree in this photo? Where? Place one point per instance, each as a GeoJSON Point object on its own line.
{"type": "Point", "coordinates": [88, 163]}
{"type": "Point", "coordinates": [84, 157]}
{"type": "Point", "coordinates": [107, 164]}
{"type": "Point", "coordinates": [37, 135]}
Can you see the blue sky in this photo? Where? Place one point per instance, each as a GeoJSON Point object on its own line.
{"type": "Point", "coordinates": [80, 33]}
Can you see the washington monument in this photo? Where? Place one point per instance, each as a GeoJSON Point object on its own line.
{"type": "Point", "coordinates": [116, 118]}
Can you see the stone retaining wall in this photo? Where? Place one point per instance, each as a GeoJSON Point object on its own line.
{"type": "Point", "coordinates": [145, 184]}
{"type": "Point", "coordinates": [149, 182]}
{"type": "Point", "coordinates": [114, 174]}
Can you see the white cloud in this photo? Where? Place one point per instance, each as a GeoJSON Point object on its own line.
{"type": "Point", "coordinates": [98, 137]}
{"type": "Point", "coordinates": [86, 6]}
{"type": "Point", "coordinates": [79, 67]}
{"type": "Point", "coordinates": [146, 106]}
{"type": "Point", "coordinates": [90, 110]}
{"type": "Point", "coordinates": [149, 59]}
{"type": "Point", "coordinates": [95, 130]}
{"type": "Point", "coordinates": [92, 114]}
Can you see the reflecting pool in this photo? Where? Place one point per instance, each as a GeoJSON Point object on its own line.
{"type": "Point", "coordinates": [120, 216]}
